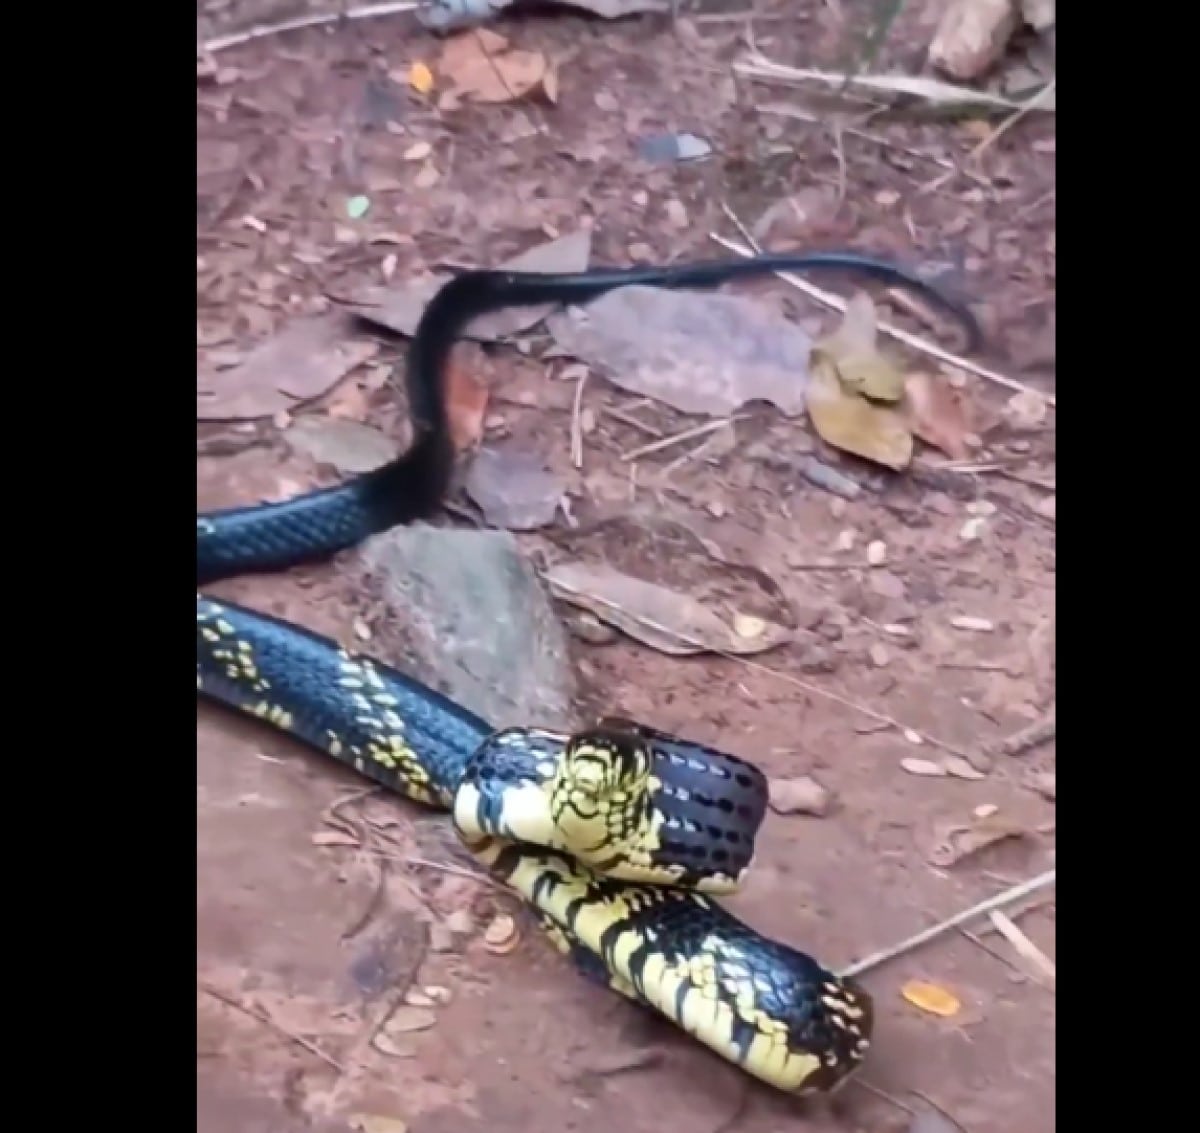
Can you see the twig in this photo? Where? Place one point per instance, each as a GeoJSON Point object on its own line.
{"type": "Point", "coordinates": [260, 31]}
{"type": "Point", "coordinates": [1034, 957]}
{"type": "Point", "coordinates": [1016, 893]}
{"type": "Point", "coordinates": [785, 110]}
{"type": "Point", "coordinates": [837, 303]}
{"type": "Point", "coordinates": [266, 1020]}
{"type": "Point", "coordinates": [1039, 732]}
{"type": "Point", "coordinates": [679, 438]}
{"type": "Point", "coordinates": [1045, 93]}
{"type": "Point", "coordinates": [577, 422]}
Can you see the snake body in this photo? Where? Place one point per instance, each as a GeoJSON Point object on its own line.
{"type": "Point", "coordinates": [617, 835]}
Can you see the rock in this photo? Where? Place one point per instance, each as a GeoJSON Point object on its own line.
{"type": "Point", "coordinates": [972, 36]}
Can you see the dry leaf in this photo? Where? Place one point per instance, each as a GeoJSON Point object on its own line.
{"type": "Point", "coordinates": [408, 1020]}
{"type": "Point", "coordinates": [394, 1048]}
{"type": "Point", "coordinates": [853, 424]}
{"type": "Point", "coordinates": [849, 382]}
{"type": "Point", "coordinates": [696, 351]}
{"type": "Point", "coordinates": [480, 66]}
{"type": "Point", "coordinates": [937, 414]}
{"type": "Point", "coordinates": [399, 308]}
{"type": "Point", "coordinates": [1026, 409]}
{"type": "Point", "coordinates": [420, 78]}
{"type": "Point", "coordinates": [304, 360]}
{"type": "Point", "coordinates": [466, 404]}
{"type": "Point", "coordinates": [334, 838]}
{"type": "Point", "coordinates": [672, 623]}
{"type": "Point", "coordinates": [798, 795]}
{"type": "Point", "coordinates": [501, 936]}
{"type": "Point", "coordinates": [513, 488]}
{"type": "Point", "coordinates": [931, 998]}
{"type": "Point", "coordinates": [961, 842]}
{"type": "Point", "coordinates": [861, 368]}
{"type": "Point", "coordinates": [376, 1123]}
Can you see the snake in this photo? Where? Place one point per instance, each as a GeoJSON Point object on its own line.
{"type": "Point", "coordinates": [620, 837]}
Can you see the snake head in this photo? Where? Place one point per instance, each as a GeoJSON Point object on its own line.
{"type": "Point", "coordinates": [605, 763]}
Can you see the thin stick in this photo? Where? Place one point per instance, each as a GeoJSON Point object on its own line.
{"type": "Point", "coordinates": [266, 1020]}
{"type": "Point", "coordinates": [260, 31]}
{"type": "Point", "coordinates": [1016, 893]}
{"type": "Point", "coordinates": [678, 438]}
{"type": "Point", "coordinates": [1036, 101]}
{"type": "Point", "coordinates": [837, 303]}
{"type": "Point", "coordinates": [577, 422]}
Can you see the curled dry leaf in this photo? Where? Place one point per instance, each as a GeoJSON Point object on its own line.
{"type": "Point", "coordinates": [393, 1047]}
{"type": "Point", "coordinates": [932, 998]}
{"type": "Point", "coordinates": [937, 413]}
{"type": "Point", "coordinates": [960, 842]}
{"type": "Point", "coordinates": [406, 1020]}
{"type": "Point", "coordinates": [501, 936]}
{"type": "Point", "coordinates": [672, 623]}
{"type": "Point", "coordinates": [800, 794]}
{"type": "Point", "coordinates": [481, 66]}
{"type": "Point", "coordinates": [850, 388]}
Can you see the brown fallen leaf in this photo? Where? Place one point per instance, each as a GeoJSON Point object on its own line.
{"type": "Point", "coordinates": [466, 404]}
{"type": "Point", "coordinates": [800, 794]}
{"type": "Point", "coordinates": [854, 392]}
{"type": "Point", "coordinates": [854, 350]}
{"type": "Point", "coordinates": [399, 308]}
{"type": "Point", "coordinates": [673, 623]}
{"type": "Point", "coordinates": [502, 935]}
{"type": "Point", "coordinates": [301, 362]}
{"type": "Point", "coordinates": [959, 842]}
{"type": "Point", "coordinates": [932, 998]}
{"type": "Point", "coordinates": [698, 352]}
{"type": "Point", "coordinates": [481, 66]}
{"type": "Point", "coordinates": [513, 488]}
{"type": "Point", "coordinates": [937, 413]}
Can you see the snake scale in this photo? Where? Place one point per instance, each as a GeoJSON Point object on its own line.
{"type": "Point", "coordinates": [618, 836]}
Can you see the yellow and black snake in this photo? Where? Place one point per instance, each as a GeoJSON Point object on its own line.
{"type": "Point", "coordinates": [618, 835]}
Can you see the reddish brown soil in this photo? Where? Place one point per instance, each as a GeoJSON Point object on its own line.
{"type": "Point", "coordinates": [285, 1001]}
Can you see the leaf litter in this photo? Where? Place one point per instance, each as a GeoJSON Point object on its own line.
{"type": "Point", "coordinates": [399, 308]}
{"type": "Point", "coordinates": [513, 488]}
{"type": "Point", "coordinates": [300, 363]}
{"type": "Point", "coordinates": [483, 66]}
{"type": "Point", "coordinates": [694, 601]}
{"type": "Point", "coordinates": [698, 352]}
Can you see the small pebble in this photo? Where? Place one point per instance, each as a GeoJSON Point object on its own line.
{"type": "Point", "coordinates": [972, 529]}
{"type": "Point", "coordinates": [913, 737]}
{"type": "Point", "coordinates": [981, 507]}
{"type": "Point", "coordinates": [877, 552]}
{"type": "Point", "coordinates": [845, 540]}
{"type": "Point", "coordinates": [361, 630]}
{"type": "Point", "coordinates": [976, 625]}
{"type": "Point", "coordinates": [879, 655]}
{"type": "Point", "coordinates": [927, 767]}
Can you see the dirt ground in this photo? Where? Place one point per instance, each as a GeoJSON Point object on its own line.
{"type": "Point", "coordinates": [328, 998]}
